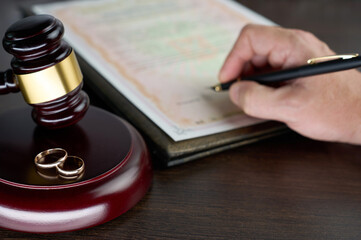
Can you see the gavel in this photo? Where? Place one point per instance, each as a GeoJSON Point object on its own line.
{"type": "Point", "coordinates": [45, 69]}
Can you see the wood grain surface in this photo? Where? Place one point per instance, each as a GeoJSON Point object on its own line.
{"type": "Point", "coordinates": [287, 187]}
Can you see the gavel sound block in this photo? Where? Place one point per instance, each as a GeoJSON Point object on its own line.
{"type": "Point", "coordinates": [118, 170]}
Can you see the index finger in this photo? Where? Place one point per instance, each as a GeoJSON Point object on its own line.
{"type": "Point", "coordinates": [259, 43]}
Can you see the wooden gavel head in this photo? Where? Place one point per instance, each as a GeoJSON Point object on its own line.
{"type": "Point", "coordinates": [45, 70]}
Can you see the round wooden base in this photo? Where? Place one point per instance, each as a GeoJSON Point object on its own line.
{"type": "Point", "coordinates": [117, 174]}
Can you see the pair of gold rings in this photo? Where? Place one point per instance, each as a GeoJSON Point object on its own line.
{"type": "Point", "coordinates": [67, 167]}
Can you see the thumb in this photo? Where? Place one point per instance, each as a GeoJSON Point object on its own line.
{"type": "Point", "coordinates": [260, 101]}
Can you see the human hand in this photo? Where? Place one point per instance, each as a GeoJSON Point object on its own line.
{"type": "Point", "coordinates": [323, 107]}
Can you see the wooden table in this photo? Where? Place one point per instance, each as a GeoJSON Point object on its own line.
{"type": "Point", "coordinates": [287, 187]}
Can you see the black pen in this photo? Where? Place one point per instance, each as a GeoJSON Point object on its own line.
{"type": "Point", "coordinates": [313, 67]}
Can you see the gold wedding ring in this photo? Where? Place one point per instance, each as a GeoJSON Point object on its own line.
{"type": "Point", "coordinates": [72, 167]}
{"type": "Point", "coordinates": [50, 158]}
{"type": "Point", "coordinates": [67, 167]}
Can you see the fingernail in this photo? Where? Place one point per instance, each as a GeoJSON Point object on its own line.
{"type": "Point", "coordinates": [220, 75]}
{"type": "Point", "coordinates": [223, 75]}
{"type": "Point", "coordinates": [234, 93]}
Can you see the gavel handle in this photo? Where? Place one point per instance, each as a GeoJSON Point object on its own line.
{"type": "Point", "coordinates": [7, 82]}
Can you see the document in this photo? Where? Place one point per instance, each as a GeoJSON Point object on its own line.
{"type": "Point", "coordinates": [162, 55]}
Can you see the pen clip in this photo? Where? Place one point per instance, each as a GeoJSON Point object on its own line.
{"type": "Point", "coordinates": [331, 57]}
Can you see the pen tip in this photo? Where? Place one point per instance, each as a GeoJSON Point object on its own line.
{"type": "Point", "coordinates": [216, 88]}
